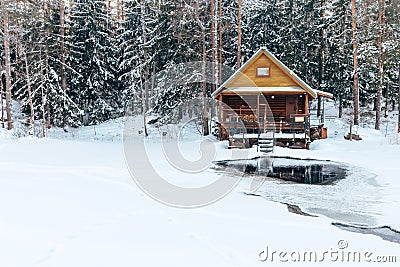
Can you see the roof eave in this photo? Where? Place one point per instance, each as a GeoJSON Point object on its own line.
{"type": "Point", "coordinates": [324, 94]}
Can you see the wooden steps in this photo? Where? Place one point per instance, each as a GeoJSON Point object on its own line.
{"type": "Point", "coordinates": [266, 144]}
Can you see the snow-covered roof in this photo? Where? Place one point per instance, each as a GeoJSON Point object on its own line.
{"type": "Point", "coordinates": [324, 94]}
{"type": "Point", "coordinates": [282, 66]}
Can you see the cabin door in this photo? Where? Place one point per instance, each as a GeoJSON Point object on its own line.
{"type": "Point", "coordinates": [262, 117]}
{"type": "Point", "coordinates": [291, 106]}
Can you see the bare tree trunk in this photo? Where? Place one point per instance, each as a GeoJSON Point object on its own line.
{"type": "Point", "coordinates": [43, 95]}
{"type": "Point", "coordinates": [153, 80]}
{"type": "Point", "coordinates": [220, 42]}
{"type": "Point", "coordinates": [44, 100]}
{"type": "Point", "coordinates": [145, 86]}
{"type": "Point", "coordinates": [340, 107]}
{"type": "Point", "coordinates": [355, 63]}
{"type": "Point", "coordinates": [2, 107]}
{"type": "Point", "coordinates": [28, 84]}
{"type": "Point", "coordinates": [1, 96]}
{"type": "Point", "coordinates": [206, 130]}
{"type": "Point", "coordinates": [387, 101]}
{"type": "Point", "coordinates": [8, 71]}
{"type": "Point", "coordinates": [62, 47]}
{"type": "Point", "coordinates": [48, 122]}
{"type": "Point", "coordinates": [239, 52]}
{"type": "Point", "coordinates": [213, 45]}
{"type": "Point", "coordinates": [318, 106]}
{"type": "Point", "coordinates": [214, 38]}
{"type": "Point", "coordinates": [120, 9]}
{"type": "Point", "coordinates": [48, 115]}
{"type": "Point", "coordinates": [62, 34]}
{"type": "Point", "coordinates": [381, 21]}
{"type": "Point", "coordinates": [321, 61]}
{"type": "Point", "coordinates": [398, 125]}
{"type": "Point", "coordinates": [44, 133]}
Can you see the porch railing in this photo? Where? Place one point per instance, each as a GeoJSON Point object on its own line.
{"type": "Point", "coordinates": [298, 123]}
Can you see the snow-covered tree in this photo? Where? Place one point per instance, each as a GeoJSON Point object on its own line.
{"type": "Point", "coordinates": [92, 60]}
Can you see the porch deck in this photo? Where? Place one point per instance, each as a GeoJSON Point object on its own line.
{"type": "Point", "coordinates": [246, 131]}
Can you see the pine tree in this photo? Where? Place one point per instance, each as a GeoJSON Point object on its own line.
{"type": "Point", "coordinates": [261, 27]}
{"type": "Point", "coordinates": [92, 60]}
{"type": "Point", "coordinates": [339, 60]}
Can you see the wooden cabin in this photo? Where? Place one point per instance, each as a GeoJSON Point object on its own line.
{"type": "Point", "coordinates": [265, 96]}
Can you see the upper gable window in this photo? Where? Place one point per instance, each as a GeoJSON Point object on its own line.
{"type": "Point", "coordinates": [263, 72]}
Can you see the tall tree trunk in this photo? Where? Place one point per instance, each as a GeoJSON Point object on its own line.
{"type": "Point", "coordinates": [1, 96]}
{"type": "Point", "coordinates": [153, 80]}
{"type": "Point", "coordinates": [48, 115]}
{"type": "Point", "coordinates": [239, 46]}
{"type": "Point", "coordinates": [206, 130]}
{"type": "Point", "coordinates": [220, 42]}
{"type": "Point", "coordinates": [214, 38]}
{"type": "Point", "coordinates": [44, 100]}
{"type": "Point", "coordinates": [120, 9]}
{"type": "Point", "coordinates": [398, 99]}
{"type": "Point", "coordinates": [319, 106]}
{"type": "Point", "coordinates": [387, 102]}
{"type": "Point", "coordinates": [213, 45]}
{"type": "Point", "coordinates": [144, 79]}
{"type": "Point", "coordinates": [62, 52]}
{"type": "Point", "coordinates": [48, 31]}
{"type": "Point", "coordinates": [44, 133]}
{"type": "Point", "coordinates": [381, 22]}
{"type": "Point", "coordinates": [321, 62]}
{"type": "Point", "coordinates": [8, 71]}
{"type": "Point", "coordinates": [62, 40]}
{"type": "Point", "coordinates": [355, 63]}
{"type": "Point", "coordinates": [30, 101]}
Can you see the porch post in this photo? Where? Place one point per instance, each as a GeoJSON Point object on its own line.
{"type": "Point", "coordinates": [258, 114]}
{"type": "Point", "coordinates": [306, 104]}
{"type": "Point", "coordinates": [318, 106]}
{"type": "Point", "coordinates": [220, 116]}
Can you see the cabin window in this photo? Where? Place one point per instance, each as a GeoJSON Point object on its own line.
{"type": "Point", "coordinates": [263, 72]}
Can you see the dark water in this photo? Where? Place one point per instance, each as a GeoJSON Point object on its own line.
{"type": "Point", "coordinates": [385, 232]}
{"type": "Point", "coordinates": [290, 169]}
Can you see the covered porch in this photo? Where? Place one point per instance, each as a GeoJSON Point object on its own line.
{"type": "Point", "coordinates": [245, 115]}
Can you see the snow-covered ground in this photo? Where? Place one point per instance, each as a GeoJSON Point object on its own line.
{"type": "Point", "coordinates": [69, 200]}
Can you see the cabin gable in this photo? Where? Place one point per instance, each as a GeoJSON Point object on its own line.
{"type": "Point", "coordinates": [274, 77]}
{"type": "Point", "coordinates": [248, 76]}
